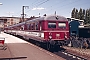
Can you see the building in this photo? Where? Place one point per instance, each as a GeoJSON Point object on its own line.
{"type": "Point", "coordinates": [6, 21]}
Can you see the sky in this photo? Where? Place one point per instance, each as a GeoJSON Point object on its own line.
{"type": "Point", "coordinates": [41, 7]}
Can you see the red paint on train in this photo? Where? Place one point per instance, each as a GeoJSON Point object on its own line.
{"type": "Point", "coordinates": [49, 28]}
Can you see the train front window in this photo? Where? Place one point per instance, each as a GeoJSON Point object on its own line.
{"type": "Point", "coordinates": [52, 25]}
{"type": "Point", "coordinates": [62, 25]}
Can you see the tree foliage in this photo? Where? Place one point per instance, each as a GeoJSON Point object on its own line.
{"type": "Point", "coordinates": [81, 14]}
{"type": "Point", "coordinates": [73, 13]}
{"type": "Point", "coordinates": [76, 14]}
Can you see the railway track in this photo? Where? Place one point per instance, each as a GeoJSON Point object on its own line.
{"type": "Point", "coordinates": [62, 52]}
{"type": "Point", "coordinates": [69, 56]}
{"type": "Point", "coordinates": [85, 53]}
{"type": "Point", "coordinates": [65, 54]}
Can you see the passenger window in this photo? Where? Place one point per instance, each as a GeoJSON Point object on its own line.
{"type": "Point", "coordinates": [31, 26]}
{"type": "Point", "coordinates": [36, 26]}
{"type": "Point", "coordinates": [51, 24]}
{"type": "Point", "coordinates": [28, 26]}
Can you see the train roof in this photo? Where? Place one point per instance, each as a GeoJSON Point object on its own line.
{"type": "Point", "coordinates": [50, 17]}
{"type": "Point", "coordinates": [15, 25]}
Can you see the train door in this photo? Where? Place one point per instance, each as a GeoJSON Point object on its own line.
{"type": "Point", "coordinates": [40, 26]}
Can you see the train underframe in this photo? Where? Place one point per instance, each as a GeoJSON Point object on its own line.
{"type": "Point", "coordinates": [49, 44]}
{"type": "Point", "coordinates": [53, 44]}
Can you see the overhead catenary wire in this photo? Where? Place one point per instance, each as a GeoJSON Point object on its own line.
{"type": "Point", "coordinates": [35, 3]}
{"type": "Point", "coordinates": [59, 7]}
{"type": "Point", "coordinates": [55, 9]}
{"type": "Point", "coordinates": [68, 5]}
{"type": "Point", "coordinates": [52, 6]}
{"type": "Point", "coordinates": [42, 3]}
{"type": "Point", "coordinates": [39, 4]}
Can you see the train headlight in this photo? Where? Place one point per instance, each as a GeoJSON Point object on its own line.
{"type": "Point", "coordinates": [50, 37]}
{"type": "Point", "coordinates": [65, 36]}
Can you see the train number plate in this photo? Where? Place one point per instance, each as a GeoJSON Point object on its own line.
{"type": "Point", "coordinates": [57, 35]}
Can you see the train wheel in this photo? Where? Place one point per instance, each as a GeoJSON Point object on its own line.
{"type": "Point", "coordinates": [38, 44]}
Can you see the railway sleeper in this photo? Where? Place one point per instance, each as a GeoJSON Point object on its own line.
{"type": "Point", "coordinates": [74, 56]}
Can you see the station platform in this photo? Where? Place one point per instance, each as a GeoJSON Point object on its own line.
{"type": "Point", "coordinates": [18, 48]}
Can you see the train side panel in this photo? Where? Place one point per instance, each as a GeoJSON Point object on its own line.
{"type": "Point", "coordinates": [84, 32]}
{"type": "Point", "coordinates": [44, 29]}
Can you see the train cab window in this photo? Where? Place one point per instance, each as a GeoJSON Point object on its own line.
{"type": "Point", "coordinates": [51, 24]}
{"type": "Point", "coordinates": [62, 25]}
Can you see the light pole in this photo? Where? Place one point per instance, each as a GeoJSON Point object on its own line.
{"type": "Point", "coordinates": [0, 28]}
{"type": "Point", "coordinates": [23, 12]}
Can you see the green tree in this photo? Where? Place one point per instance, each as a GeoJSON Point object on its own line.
{"type": "Point", "coordinates": [80, 14]}
{"type": "Point", "coordinates": [73, 13]}
{"type": "Point", "coordinates": [86, 17]}
{"type": "Point", "coordinates": [89, 14]}
{"type": "Point", "coordinates": [83, 16]}
{"type": "Point", "coordinates": [76, 14]}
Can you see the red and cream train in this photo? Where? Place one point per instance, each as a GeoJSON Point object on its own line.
{"type": "Point", "coordinates": [52, 29]}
